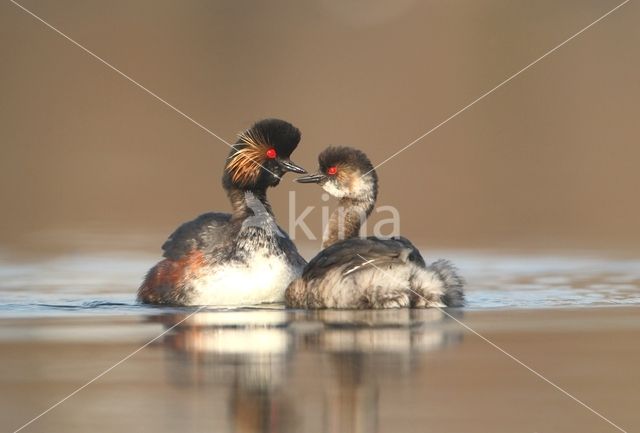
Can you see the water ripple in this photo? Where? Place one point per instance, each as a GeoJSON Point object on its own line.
{"type": "Point", "coordinates": [104, 284]}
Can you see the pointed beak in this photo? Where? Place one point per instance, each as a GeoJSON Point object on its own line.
{"type": "Point", "coordinates": [288, 165]}
{"type": "Point", "coordinates": [311, 178]}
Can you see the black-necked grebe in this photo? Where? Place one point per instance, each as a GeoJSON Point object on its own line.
{"type": "Point", "coordinates": [239, 258]}
{"type": "Point", "coordinates": [353, 272]}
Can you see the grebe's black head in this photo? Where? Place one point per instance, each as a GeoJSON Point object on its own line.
{"type": "Point", "coordinates": [345, 172]}
{"type": "Point", "coordinates": [260, 157]}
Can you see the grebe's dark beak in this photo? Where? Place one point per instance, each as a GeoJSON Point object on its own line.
{"type": "Point", "coordinates": [311, 178]}
{"type": "Point", "coordinates": [288, 165]}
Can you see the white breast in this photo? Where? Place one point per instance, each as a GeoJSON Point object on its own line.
{"type": "Point", "coordinates": [262, 279]}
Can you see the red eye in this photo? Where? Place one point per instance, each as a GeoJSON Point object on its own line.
{"type": "Point", "coordinates": [271, 153]}
{"type": "Point", "coordinates": [332, 170]}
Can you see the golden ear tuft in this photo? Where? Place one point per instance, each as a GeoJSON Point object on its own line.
{"type": "Point", "coordinates": [246, 162]}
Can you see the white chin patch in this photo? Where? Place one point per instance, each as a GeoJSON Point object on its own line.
{"type": "Point", "coordinates": [359, 187]}
{"type": "Point", "coordinates": [333, 190]}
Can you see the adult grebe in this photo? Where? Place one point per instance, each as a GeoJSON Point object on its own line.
{"type": "Point", "coordinates": [353, 272]}
{"type": "Point", "coordinates": [239, 258]}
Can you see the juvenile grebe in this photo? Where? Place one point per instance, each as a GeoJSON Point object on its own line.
{"type": "Point", "coordinates": [239, 258]}
{"type": "Point", "coordinates": [353, 272]}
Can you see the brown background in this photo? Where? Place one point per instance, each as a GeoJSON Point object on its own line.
{"type": "Point", "coordinates": [550, 160]}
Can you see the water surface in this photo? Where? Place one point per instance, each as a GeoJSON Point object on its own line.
{"type": "Point", "coordinates": [106, 283]}
{"type": "Point", "coordinates": [574, 319]}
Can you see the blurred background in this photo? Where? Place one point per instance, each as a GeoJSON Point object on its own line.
{"type": "Point", "coordinates": [548, 161]}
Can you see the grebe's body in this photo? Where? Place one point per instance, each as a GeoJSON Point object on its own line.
{"type": "Point", "coordinates": [353, 272]}
{"type": "Point", "coordinates": [374, 273]}
{"type": "Point", "coordinates": [240, 258]}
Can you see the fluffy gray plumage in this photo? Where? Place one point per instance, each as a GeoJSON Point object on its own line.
{"type": "Point", "coordinates": [371, 272]}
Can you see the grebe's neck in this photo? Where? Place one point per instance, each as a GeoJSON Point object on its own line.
{"type": "Point", "coordinates": [246, 203]}
{"type": "Point", "coordinates": [346, 221]}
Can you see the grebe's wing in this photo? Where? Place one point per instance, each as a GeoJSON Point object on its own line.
{"type": "Point", "coordinates": [353, 255]}
{"type": "Point", "coordinates": [415, 253]}
{"type": "Point", "coordinates": [200, 233]}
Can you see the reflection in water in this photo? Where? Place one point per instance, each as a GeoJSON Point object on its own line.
{"type": "Point", "coordinates": [244, 351]}
{"type": "Point", "coordinates": [254, 354]}
{"type": "Point", "coordinates": [364, 350]}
